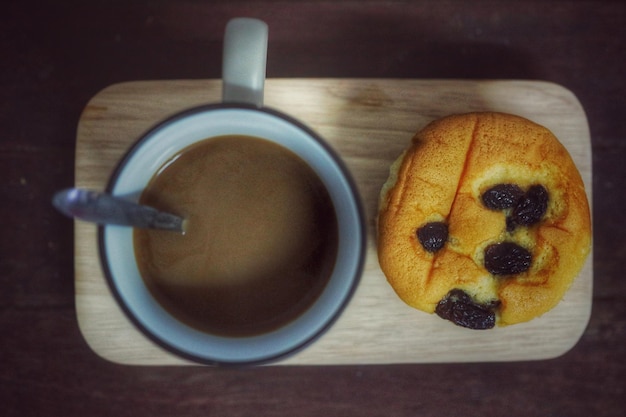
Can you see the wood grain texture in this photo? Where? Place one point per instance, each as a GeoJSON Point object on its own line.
{"type": "Point", "coordinates": [369, 122]}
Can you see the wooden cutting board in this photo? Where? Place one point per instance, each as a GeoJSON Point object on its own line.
{"type": "Point", "coordinates": [369, 122]}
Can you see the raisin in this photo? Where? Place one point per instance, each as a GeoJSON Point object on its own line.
{"type": "Point", "coordinates": [506, 258]}
{"type": "Point", "coordinates": [433, 236]}
{"type": "Point", "coordinates": [510, 224]}
{"type": "Point", "coordinates": [459, 308]}
{"type": "Point", "coordinates": [531, 207]}
{"type": "Point", "coordinates": [502, 196]}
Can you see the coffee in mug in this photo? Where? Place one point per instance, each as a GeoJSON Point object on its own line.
{"type": "Point", "coordinates": [260, 238]}
{"type": "Point", "coordinates": [275, 236]}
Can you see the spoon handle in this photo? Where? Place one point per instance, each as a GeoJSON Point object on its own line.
{"type": "Point", "coordinates": [105, 209]}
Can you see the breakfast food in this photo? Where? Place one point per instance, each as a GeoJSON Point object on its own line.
{"type": "Point", "coordinates": [484, 220]}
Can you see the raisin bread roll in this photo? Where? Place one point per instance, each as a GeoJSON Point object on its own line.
{"type": "Point", "coordinates": [483, 220]}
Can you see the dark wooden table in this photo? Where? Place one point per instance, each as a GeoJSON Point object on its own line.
{"type": "Point", "coordinates": [57, 54]}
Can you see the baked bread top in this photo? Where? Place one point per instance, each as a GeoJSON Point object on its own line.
{"type": "Point", "coordinates": [489, 205]}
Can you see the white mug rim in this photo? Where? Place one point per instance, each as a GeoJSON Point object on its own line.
{"type": "Point", "coordinates": [337, 309]}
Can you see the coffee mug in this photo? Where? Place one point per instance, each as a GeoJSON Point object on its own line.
{"type": "Point", "coordinates": [240, 117]}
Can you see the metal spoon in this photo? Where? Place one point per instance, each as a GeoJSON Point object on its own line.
{"type": "Point", "coordinates": [102, 208]}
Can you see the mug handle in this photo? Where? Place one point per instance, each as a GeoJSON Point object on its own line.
{"type": "Point", "coordinates": [244, 61]}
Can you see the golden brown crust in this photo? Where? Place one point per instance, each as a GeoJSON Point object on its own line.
{"type": "Point", "coordinates": [441, 177]}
